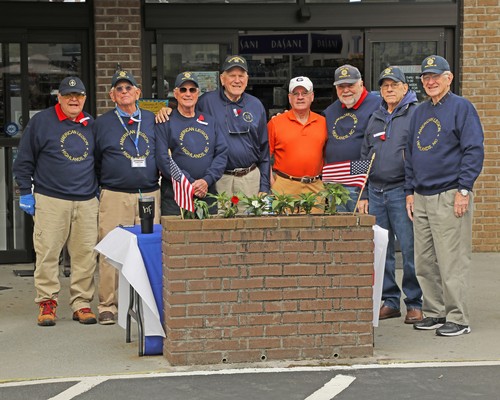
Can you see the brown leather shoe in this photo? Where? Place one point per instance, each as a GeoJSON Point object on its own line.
{"type": "Point", "coordinates": [388, 312]}
{"type": "Point", "coordinates": [106, 318]}
{"type": "Point", "coordinates": [414, 315]}
{"type": "Point", "coordinates": [84, 316]}
{"type": "Point", "coordinates": [47, 315]}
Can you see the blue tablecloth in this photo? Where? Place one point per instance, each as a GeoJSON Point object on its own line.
{"type": "Point", "coordinates": [150, 248]}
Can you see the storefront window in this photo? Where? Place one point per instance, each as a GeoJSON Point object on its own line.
{"type": "Point", "coordinates": [48, 64]}
{"type": "Point", "coordinates": [276, 57]}
{"type": "Point", "coordinates": [377, 1]}
{"type": "Point", "coordinates": [220, 1]}
{"type": "Point", "coordinates": [406, 55]}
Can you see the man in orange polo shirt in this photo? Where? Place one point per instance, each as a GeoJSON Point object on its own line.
{"type": "Point", "coordinates": [297, 140]}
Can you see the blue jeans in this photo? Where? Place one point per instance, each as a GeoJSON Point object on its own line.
{"type": "Point", "coordinates": [351, 203]}
{"type": "Point", "coordinates": [389, 208]}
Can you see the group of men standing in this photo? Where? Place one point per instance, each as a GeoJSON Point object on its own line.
{"type": "Point", "coordinates": [427, 158]}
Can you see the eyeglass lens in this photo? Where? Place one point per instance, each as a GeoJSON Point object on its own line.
{"type": "Point", "coordinates": [121, 89]}
{"type": "Point", "coordinates": [191, 89]}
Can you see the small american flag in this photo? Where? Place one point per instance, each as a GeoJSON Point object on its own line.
{"type": "Point", "coordinates": [351, 173]}
{"type": "Point", "coordinates": [183, 190]}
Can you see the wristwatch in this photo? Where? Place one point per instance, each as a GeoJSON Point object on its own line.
{"type": "Point", "coordinates": [464, 192]}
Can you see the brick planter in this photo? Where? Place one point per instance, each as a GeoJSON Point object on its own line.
{"type": "Point", "coordinates": [267, 288]}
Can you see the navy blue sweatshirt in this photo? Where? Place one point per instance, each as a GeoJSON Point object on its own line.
{"type": "Point", "coordinates": [56, 156]}
{"type": "Point", "coordinates": [346, 128]}
{"type": "Point", "coordinates": [388, 167]}
{"type": "Point", "coordinates": [197, 145]}
{"type": "Point", "coordinates": [115, 148]}
{"type": "Point", "coordinates": [445, 150]}
{"type": "Point", "coordinates": [244, 124]}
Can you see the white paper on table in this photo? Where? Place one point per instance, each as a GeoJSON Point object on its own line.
{"type": "Point", "coordinates": [121, 249]}
{"type": "Point", "coordinates": [380, 239]}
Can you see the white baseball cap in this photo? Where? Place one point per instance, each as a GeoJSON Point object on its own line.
{"type": "Point", "coordinates": [303, 81]}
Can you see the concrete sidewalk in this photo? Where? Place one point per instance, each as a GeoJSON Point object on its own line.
{"type": "Point", "coordinates": [70, 349]}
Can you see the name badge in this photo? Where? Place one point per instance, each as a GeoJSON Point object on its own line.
{"type": "Point", "coordinates": [138, 162]}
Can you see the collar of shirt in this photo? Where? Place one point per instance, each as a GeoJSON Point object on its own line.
{"type": "Point", "coordinates": [227, 100]}
{"type": "Point", "coordinates": [442, 100]}
{"type": "Point", "coordinates": [124, 114]}
{"type": "Point", "coordinates": [360, 101]}
{"type": "Point", "coordinates": [80, 119]}
{"type": "Point", "coordinates": [310, 119]}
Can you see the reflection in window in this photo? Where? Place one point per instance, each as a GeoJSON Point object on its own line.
{"type": "Point", "coordinates": [407, 55]}
{"type": "Point", "coordinates": [220, 1]}
{"type": "Point", "coordinates": [378, 1]}
{"type": "Point", "coordinates": [48, 64]}
{"type": "Point", "coordinates": [276, 57]}
{"type": "Point", "coordinates": [204, 59]}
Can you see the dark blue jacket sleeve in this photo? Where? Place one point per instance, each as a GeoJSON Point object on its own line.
{"type": "Point", "coordinates": [24, 165]}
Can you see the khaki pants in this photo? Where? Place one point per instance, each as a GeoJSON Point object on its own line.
{"type": "Point", "coordinates": [443, 250]}
{"type": "Point", "coordinates": [249, 184]}
{"type": "Point", "coordinates": [117, 208]}
{"type": "Point", "coordinates": [74, 223]}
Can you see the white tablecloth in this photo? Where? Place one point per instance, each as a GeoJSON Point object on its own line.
{"type": "Point", "coordinates": [121, 250]}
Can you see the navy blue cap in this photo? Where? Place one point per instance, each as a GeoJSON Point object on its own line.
{"type": "Point", "coordinates": [346, 74]}
{"type": "Point", "coordinates": [393, 73]}
{"type": "Point", "coordinates": [234, 61]}
{"type": "Point", "coordinates": [123, 76]}
{"type": "Point", "coordinates": [186, 77]}
{"type": "Point", "coordinates": [434, 65]}
{"type": "Point", "coordinates": [71, 84]}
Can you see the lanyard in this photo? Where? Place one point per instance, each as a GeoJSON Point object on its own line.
{"type": "Point", "coordinates": [136, 140]}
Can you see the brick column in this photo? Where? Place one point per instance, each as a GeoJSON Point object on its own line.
{"type": "Point", "coordinates": [267, 288]}
{"type": "Point", "coordinates": [480, 83]}
{"type": "Point", "coordinates": [117, 41]}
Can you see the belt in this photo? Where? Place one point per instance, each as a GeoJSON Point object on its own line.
{"type": "Point", "coordinates": [240, 171]}
{"type": "Point", "coordinates": [304, 179]}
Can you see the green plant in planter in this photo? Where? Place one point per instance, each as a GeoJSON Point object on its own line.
{"type": "Point", "coordinates": [227, 205]}
{"type": "Point", "coordinates": [335, 195]}
{"type": "Point", "coordinates": [201, 210]}
{"type": "Point", "coordinates": [282, 203]}
{"type": "Point", "coordinates": [254, 205]}
{"type": "Point", "coordinates": [307, 201]}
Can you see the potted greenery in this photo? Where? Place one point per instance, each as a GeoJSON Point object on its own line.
{"type": "Point", "coordinates": [276, 203]}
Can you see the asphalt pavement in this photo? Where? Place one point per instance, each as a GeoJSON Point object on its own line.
{"type": "Point", "coordinates": [71, 352]}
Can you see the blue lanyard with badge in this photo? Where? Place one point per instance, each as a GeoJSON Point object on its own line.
{"type": "Point", "coordinates": [136, 162]}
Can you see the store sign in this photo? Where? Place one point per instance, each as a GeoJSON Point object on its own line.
{"type": "Point", "coordinates": [274, 44]}
{"type": "Point", "coordinates": [321, 43]}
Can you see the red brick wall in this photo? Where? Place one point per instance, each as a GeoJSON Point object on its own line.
{"type": "Point", "coordinates": [267, 288]}
{"type": "Point", "coordinates": [480, 83]}
{"type": "Point", "coordinates": [117, 41]}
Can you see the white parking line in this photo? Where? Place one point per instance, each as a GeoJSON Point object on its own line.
{"type": "Point", "coordinates": [350, 368]}
{"type": "Point", "coordinates": [81, 387]}
{"type": "Point", "coordinates": [332, 388]}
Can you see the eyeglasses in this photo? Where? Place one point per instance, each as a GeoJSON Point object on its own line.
{"type": "Point", "coordinates": [185, 89]}
{"type": "Point", "coordinates": [298, 94]}
{"type": "Point", "coordinates": [428, 77]}
{"type": "Point", "coordinates": [69, 96]}
{"type": "Point", "coordinates": [121, 89]}
{"type": "Point", "coordinates": [393, 85]}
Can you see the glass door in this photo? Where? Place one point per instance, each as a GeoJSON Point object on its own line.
{"type": "Point", "coordinates": [175, 52]}
{"type": "Point", "coordinates": [405, 49]}
{"type": "Point", "coordinates": [30, 72]}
